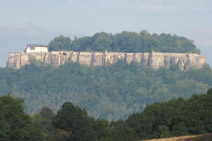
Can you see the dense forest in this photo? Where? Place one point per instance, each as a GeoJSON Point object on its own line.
{"type": "Point", "coordinates": [107, 92]}
{"type": "Point", "coordinates": [159, 120]}
{"type": "Point", "coordinates": [125, 42]}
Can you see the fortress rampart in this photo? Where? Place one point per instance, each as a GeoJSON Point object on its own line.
{"type": "Point", "coordinates": [154, 60]}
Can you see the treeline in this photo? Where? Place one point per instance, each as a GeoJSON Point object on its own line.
{"type": "Point", "coordinates": [107, 92]}
{"type": "Point", "coordinates": [160, 120]}
{"type": "Point", "coordinates": [125, 42]}
{"type": "Point", "coordinates": [173, 118]}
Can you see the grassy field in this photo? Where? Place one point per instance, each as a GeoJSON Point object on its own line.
{"type": "Point", "coordinates": [204, 137]}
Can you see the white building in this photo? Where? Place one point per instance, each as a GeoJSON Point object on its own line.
{"type": "Point", "coordinates": [34, 48]}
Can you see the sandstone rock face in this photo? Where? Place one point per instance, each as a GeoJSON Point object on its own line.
{"type": "Point", "coordinates": [185, 61]}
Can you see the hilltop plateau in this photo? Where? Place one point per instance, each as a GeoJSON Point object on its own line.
{"type": "Point", "coordinates": [111, 89]}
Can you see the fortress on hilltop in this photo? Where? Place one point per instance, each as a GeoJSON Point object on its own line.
{"type": "Point", "coordinates": [155, 60]}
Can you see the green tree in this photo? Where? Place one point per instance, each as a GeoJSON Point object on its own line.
{"type": "Point", "coordinates": [102, 42]}
{"type": "Point", "coordinates": [76, 121]}
{"type": "Point", "coordinates": [164, 131]}
{"type": "Point", "coordinates": [121, 131]}
{"type": "Point", "coordinates": [60, 43]}
{"type": "Point", "coordinates": [46, 120]}
{"type": "Point", "coordinates": [82, 44]}
{"type": "Point", "coordinates": [15, 124]}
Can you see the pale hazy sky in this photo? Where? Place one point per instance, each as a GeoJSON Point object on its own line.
{"type": "Point", "coordinates": [39, 21]}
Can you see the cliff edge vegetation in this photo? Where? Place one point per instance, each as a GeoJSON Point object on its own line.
{"type": "Point", "coordinates": [154, 51]}
{"type": "Point", "coordinates": [125, 42]}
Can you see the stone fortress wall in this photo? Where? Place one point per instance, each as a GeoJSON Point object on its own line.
{"type": "Point", "coordinates": [155, 60]}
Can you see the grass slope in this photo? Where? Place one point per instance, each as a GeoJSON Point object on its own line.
{"type": "Point", "coordinates": [203, 137]}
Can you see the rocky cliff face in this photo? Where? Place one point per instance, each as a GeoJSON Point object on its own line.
{"type": "Point", "coordinates": [153, 60]}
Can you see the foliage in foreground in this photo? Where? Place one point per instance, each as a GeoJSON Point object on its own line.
{"type": "Point", "coordinates": [15, 124]}
{"type": "Point", "coordinates": [72, 123]}
{"type": "Point", "coordinates": [174, 118]}
{"type": "Point", "coordinates": [160, 120]}
{"type": "Point", "coordinates": [166, 119]}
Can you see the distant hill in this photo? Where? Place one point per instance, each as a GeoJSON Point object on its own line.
{"type": "Point", "coordinates": [108, 92]}
{"type": "Point", "coordinates": [126, 42]}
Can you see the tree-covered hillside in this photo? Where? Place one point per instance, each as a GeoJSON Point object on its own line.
{"type": "Point", "coordinates": [126, 42]}
{"type": "Point", "coordinates": [107, 92]}
{"type": "Point", "coordinates": [160, 120]}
